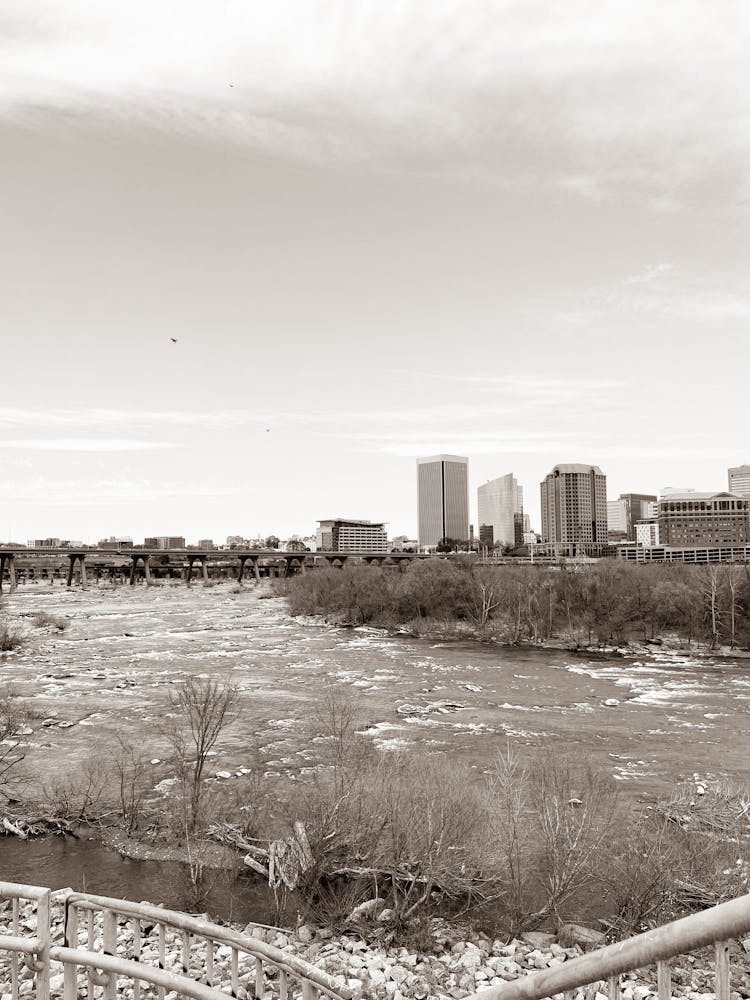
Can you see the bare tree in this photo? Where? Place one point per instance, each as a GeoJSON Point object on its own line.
{"type": "Point", "coordinates": [132, 770]}
{"type": "Point", "coordinates": [12, 721]}
{"type": "Point", "coordinates": [202, 709]}
{"type": "Point", "coordinates": [711, 594]}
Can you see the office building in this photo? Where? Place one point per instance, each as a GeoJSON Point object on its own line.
{"type": "Point", "coordinates": [574, 508]}
{"type": "Point", "coordinates": [164, 542]}
{"type": "Point", "coordinates": [625, 512]}
{"type": "Point", "coordinates": [739, 480]}
{"type": "Point", "coordinates": [500, 506]}
{"type": "Point", "coordinates": [442, 499]}
{"type": "Point", "coordinates": [704, 519]}
{"type": "Point", "coordinates": [344, 535]}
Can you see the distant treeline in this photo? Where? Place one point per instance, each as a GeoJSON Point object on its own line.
{"type": "Point", "coordinates": [607, 602]}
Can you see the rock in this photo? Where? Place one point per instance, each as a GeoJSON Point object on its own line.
{"type": "Point", "coordinates": [398, 973]}
{"type": "Point", "coordinates": [586, 937]}
{"type": "Point", "coordinates": [387, 916]}
{"type": "Point", "coordinates": [305, 933]}
{"type": "Point", "coordinates": [370, 908]}
{"type": "Point", "coordinates": [611, 702]}
{"type": "Point", "coordinates": [537, 939]}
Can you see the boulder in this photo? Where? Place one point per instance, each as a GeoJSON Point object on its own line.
{"type": "Point", "coordinates": [538, 939]}
{"type": "Point", "coordinates": [586, 937]}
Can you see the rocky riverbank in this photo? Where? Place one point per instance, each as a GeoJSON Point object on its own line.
{"type": "Point", "coordinates": [459, 964]}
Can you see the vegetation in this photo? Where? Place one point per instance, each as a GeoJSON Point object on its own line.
{"type": "Point", "coordinates": [201, 709]}
{"type": "Point", "coordinates": [607, 602]}
{"type": "Point", "coordinates": [525, 845]}
{"type": "Point", "coordinates": [13, 718]}
{"type": "Point", "coordinates": [42, 619]}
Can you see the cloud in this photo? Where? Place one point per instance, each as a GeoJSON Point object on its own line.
{"type": "Point", "coordinates": [586, 97]}
{"type": "Point", "coordinates": [94, 418]}
{"type": "Point", "coordinates": [46, 492]}
{"type": "Point", "coordinates": [83, 444]}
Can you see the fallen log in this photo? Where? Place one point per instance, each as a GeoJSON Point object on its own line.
{"type": "Point", "coordinates": [14, 829]}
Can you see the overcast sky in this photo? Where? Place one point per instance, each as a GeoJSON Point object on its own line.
{"type": "Point", "coordinates": [516, 231]}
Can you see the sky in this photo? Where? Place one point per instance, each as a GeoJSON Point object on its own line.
{"type": "Point", "coordinates": [256, 258]}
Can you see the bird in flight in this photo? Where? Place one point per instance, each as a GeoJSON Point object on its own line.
{"type": "Point", "coordinates": [173, 339]}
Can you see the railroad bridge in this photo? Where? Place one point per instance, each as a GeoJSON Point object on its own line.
{"type": "Point", "coordinates": [81, 564]}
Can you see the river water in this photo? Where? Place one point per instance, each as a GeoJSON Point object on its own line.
{"type": "Point", "coordinates": [650, 721]}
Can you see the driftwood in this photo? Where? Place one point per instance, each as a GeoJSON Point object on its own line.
{"type": "Point", "coordinates": [36, 826]}
{"type": "Point", "coordinates": [283, 862]}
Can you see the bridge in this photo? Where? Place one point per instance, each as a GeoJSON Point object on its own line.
{"type": "Point", "coordinates": [147, 564]}
{"type": "Point", "coordinates": [81, 944]}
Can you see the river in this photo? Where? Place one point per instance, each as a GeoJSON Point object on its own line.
{"type": "Point", "coordinates": [650, 722]}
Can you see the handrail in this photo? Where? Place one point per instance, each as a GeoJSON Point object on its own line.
{"type": "Point", "coordinates": [206, 929]}
{"type": "Point", "coordinates": [713, 926]}
{"type": "Point", "coordinates": [97, 947]}
{"type": "Point", "coordinates": [137, 971]}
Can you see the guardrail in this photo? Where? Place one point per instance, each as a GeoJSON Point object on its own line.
{"type": "Point", "coordinates": [716, 926]}
{"type": "Point", "coordinates": [124, 946]}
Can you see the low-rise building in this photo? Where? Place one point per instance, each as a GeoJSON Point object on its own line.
{"type": "Point", "coordinates": [347, 535]}
{"type": "Point", "coordinates": [647, 532]}
{"type": "Point", "coordinates": [704, 519]}
{"type": "Point", "coordinates": [164, 542]}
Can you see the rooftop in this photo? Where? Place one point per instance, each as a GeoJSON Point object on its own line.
{"type": "Point", "coordinates": [576, 468]}
{"type": "Point", "coordinates": [695, 495]}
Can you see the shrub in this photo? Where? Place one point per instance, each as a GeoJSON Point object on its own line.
{"type": "Point", "coordinates": [9, 638]}
{"type": "Point", "coordinates": [42, 619]}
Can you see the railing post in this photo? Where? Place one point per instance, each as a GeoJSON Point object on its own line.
{"type": "Point", "coordinates": [664, 981]}
{"type": "Point", "coordinates": [109, 947]}
{"type": "Point", "coordinates": [209, 961]}
{"type": "Point", "coordinates": [308, 990]}
{"type": "Point", "coordinates": [258, 977]}
{"type": "Point", "coordinates": [14, 955]}
{"type": "Point", "coordinates": [722, 970]}
{"type": "Point", "coordinates": [613, 988]}
{"type": "Point", "coordinates": [42, 932]}
{"type": "Point", "coordinates": [235, 967]}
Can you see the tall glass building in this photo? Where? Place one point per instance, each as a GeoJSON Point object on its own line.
{"type": "Point", "coordinates": [442, 498]}
{"type": "Point", "coordinates": [500, 507]}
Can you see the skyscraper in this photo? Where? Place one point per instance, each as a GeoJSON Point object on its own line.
{"type": "Point", "coordinates": [442, 498]}
{"type": "Point", "coordinates": [739, 480]}
{"type": "Point", "coordinates": [574, 506]}
{"type": "Point", "coordinates": [500, 506]}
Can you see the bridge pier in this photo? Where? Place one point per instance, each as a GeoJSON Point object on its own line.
{"type": "Point", "coordinates": [136, 558]}
{"type": "Point", "coordinates": [8, 559]}
{"type": "Point", "coordinates": [203, 560]}
{"type": "Point", "coordinates": [241, 572]}
{"type": "Point", "coordinates": [79, 557]}
{"type": "Point", "coordinates": [294, 564]}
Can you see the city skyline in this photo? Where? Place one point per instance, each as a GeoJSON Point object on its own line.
{"type": "Point", "coordinates": [258, 260]}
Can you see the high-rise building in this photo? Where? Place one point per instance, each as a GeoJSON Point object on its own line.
{"type": "Point", "coordinates": [500, 505]}
{"type": "Point", "coordinates": [574, 507]}
{"type": "Point", "coordinates": [623, 513]}
{"type": "Point", "coordinates": [442, 498]}
{"type": "Point", "coordinates": [739, 480]}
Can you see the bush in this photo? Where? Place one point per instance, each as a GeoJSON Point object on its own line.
{"type": "Point", "coordinates": [42, 619]}
{"type": "Point", "coordinates": [9, 638]}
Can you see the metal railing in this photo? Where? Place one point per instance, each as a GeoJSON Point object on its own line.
{"type": "Point", "coordinates": [716, 926]}
{"type": "Point", "coordinates": [113, 945]}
